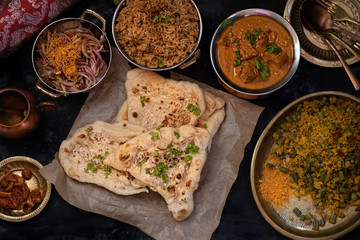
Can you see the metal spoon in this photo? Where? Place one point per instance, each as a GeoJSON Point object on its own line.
{"type": "Point", "coordinates": [306, 21]}
{"type": "Point", "coordinates": [353, 50]}
{"type": "Point", "coordinates": [320, 19]}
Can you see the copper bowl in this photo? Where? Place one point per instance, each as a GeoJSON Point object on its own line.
{"type": "Point", "coordinates": [248, 93]}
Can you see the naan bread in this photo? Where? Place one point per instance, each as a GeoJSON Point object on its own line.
{"type": "Point", "coordinates": [83, 154]}
{"type": "Point", "coordinates": [212, 117]}
{"type": "Point", "coordinates": [170, 164]}
{"type": "Point", "coordinates": [153, 100]}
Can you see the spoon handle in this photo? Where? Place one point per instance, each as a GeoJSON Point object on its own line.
{"type": "Point", "coordinates": [353, 78]}
{"type": "Point", "coordinates": [354, 36]}
{"type": "Point", "coordinates": [350, 48]}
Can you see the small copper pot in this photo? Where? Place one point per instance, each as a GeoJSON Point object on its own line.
{"type": "Point", "coordinates": [20, 112]}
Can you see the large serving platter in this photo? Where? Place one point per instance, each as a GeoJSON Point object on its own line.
{"type": "Point", "coordinates": [282, 220]}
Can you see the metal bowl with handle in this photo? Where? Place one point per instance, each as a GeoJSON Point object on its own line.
{"type": "Point", "coordinates": [191, 58]}
{"type": "Point", "coordinates": [62, 25]}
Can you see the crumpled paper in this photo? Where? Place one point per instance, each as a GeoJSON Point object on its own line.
{"type": "Point", "coordinates": [148, 211]}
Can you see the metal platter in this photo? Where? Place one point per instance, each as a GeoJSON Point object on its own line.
{"type": "Point", "coordinates": [281, 219]}
{"type": "Point", "coordinates": [16, 165]}
{"type": "Point", "coordinates": [313, 47]}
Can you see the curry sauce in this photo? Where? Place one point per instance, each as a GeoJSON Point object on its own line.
{"type": "Point", "coordinates": [255, 52]}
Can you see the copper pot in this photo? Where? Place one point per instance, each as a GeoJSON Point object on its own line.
{"type": "Point", "coordinates": [20, 112]}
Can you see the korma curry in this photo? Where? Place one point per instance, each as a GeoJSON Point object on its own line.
{"type": "Point", "coordinates": [255, 52]}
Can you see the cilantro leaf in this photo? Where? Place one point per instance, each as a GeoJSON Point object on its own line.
{"type": "Point", "coordinates": [154, 135]}
{"type": "Point", "coordinates": [227, 22]}
{"type": "Point", "coordinates": [177, 135]}
{"type": "Point", "coordinates": [258, 32]}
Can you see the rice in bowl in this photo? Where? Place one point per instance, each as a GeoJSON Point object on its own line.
{"type": "Point", "coordinates": [157, 33]}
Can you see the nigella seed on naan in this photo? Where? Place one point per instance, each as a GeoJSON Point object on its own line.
{"type": "Point", "coordinates": [82, 156]}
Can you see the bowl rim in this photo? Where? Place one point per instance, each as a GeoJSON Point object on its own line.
{"type": "Point", "coordinates": [272, 123]}
{"type": "Point", "coordinates": [63, 20]}
{"type": "Point", "coordinates": [116, 13]}
{"type": "Point", "coordinates": [47, 195]}
{"type": "Point", "coordinates": [258, 92]}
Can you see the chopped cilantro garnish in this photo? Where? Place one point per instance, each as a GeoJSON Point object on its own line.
{"type": "Point", "coordinates": [159, 171]}
{"type": "Point", "coordinates": [142, 162]}
{"type": "Point", "coordinates": [156, 173]}
{"type": "Point", "coordinates": [169, 156]}
{"type": "Point", "coordinates": [157, 18]}
{"type": "Point", "coordinates": [187, 158]}
{"type": "Point", "coordinates": [262, 67]}
{"type": "Point", "coordinates": [193, 108]}
{"type": "Point", "coordinates": [262, 76]}
{"type": "Point", "coordinates": [167, 19]}
{"type": "Point", "coordinates": [107, 171]}
{"type": "Point", "coordinates": [191, 148]}
{"type": "Point", "coordinates": [142, 99]}
{"type": "Point", "coordinates": [154, 135]}
{"type": "Point", "coordinates": [100, 157]}
{"type": "Point", "coordinates": [175, 152]}
{"type": "Point", "coordinates": [161, 64]}
{"type": "Point", "coordinates": [170, 145]}
{"type": "Point", "coordinates": [173, 163]}
{"type": "Point", "coordinates": [156, 154]}
{"type": "Point", "coordinates": [249, 36]}
{"type": "Point", "coordinates": [165, 178]}
{"type": "Point", "coordinates": [88, 133]}
{"type": "Point", "coordinates": [160, 126]}
{"type": "Point", "coordinates": [258, 32]}
{"type": "Point", "coordinates": [227, 22]}
{"type": "Point", "coordinates": [257, 63]}
{"type": "Point", "coordinates": [148, 47]}
{"type": "Point", "coordinates": [272, 49]}
{"type": "Point", "coordinates": [205, 126]}
{"type": "Point", "coordinates": [91, 166]}
{"type": "Point", "coordinates": [177, 135]}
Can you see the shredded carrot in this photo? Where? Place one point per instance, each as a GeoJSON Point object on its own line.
{"type": "Point", "coordinates": [274, 187]}
{"type": "Point", "coordinates": [63, 52]}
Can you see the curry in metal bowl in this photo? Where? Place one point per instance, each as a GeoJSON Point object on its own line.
{"type": "Point", "coordinates": [254, 52]}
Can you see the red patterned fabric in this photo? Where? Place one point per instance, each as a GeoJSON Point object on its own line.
{"type": "Point", "coordinates": [20, 18]}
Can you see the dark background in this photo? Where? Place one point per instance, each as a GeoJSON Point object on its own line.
{"type": "Point", "coordinates": [240, 219]}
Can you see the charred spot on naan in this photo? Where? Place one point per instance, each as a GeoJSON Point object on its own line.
{"type": "Point", "coordinates": [182, 212]}
{"type": "Point", "coordinates": [124, 157]}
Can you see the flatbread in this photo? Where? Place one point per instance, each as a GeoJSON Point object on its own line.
{"type": "Point", "coordinates": [142, 157]}
{"type": "Point", "coordinates": [153, 100]}
{"type": "Point", "coordinates": [211, 118]}
{"type": "Point", "coordinates": [83, 154]}
{"type": "Point", "coordinates": [213, 115]}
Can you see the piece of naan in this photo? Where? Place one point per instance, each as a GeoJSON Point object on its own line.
{"type": "Point", "coordinates": [82, 156]}
{"type": "Point", "coordinates": [214, 113]}
{"type": "Point", "coordinates": [169, 161]}
{"type": "Point", "coordinates": [211, 118]}
{"type": "Point", "coordinates": [153, 100]}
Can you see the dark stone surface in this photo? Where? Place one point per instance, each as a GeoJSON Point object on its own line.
{"type": "Point", "coordinates": [240, 219]}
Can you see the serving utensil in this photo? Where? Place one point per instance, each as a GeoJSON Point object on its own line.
{"type": "Point", "coordinates": [354, 49]}
{"type": "Point", "coordinates": [337, 12]}
{"type": "Point", "coordinates": [315, 23]}
{"type": "Point", "coordinates": [321, 19]}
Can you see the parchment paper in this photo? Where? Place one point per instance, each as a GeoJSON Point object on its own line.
{"type": "Point", "coordinates": [148, 211]}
